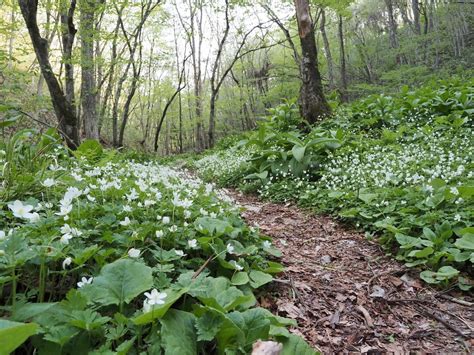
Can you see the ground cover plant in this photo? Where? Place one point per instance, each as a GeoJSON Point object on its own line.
{"type": "Point", "coordinates": [399, 167]}
{"type": "Point", "coordinates": [104, 255]}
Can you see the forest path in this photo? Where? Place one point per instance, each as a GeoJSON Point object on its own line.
{"type": "Point", "coordinates": [346, 295]}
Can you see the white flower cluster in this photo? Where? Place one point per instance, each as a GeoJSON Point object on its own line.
{"type": "Point", "coordinates": [223, 164]}
{"type": "Point", "coordinates": [404, 164]}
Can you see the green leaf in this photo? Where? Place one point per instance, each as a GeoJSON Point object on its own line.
{"type": "Point", "coordinates": [26, 311]}
{"type": "Point", "coordinates": [253, 322]}
{"type": "Point", "coordinates": [228, 335]}
{"type": "Point", "coordinates": [8, 122]}
{"type": "Point", "coordinates": [298, 152]}
{"type": "Point", "coordinates": [13, 334]}
{"type": "Point", "coordinates": [124, 348]}
{"type": "Point", "coordinates": [446, 272]}
{"type": "Point", "coordinates": [119, 282]}
{"type": "Point", "coordinates": [407, 242]}
{"type": "Point", "coordinates": [213, 226]}
{"type": "Point", "coordinates": [87, 319]}
{"type": "Point", "coordinates": [423, 253]}
{"type": "Point", "coordinates": [429, 277]}
{"type": "Point", "coordinates": [208, 325]}
{"type": "Point", "coordinates": [296, 345]}
{"type": "Point", "coordinates": [178, 334]}
{"type": "Point", "coordinates": [367, 197]}
{"type": "Point", "coordinates": [159, 311]}
{"type": "Point", "coordinates": [240, 278]}
{"type": "Point", "coordinates": [466, 242]}
{"type": "Point", "coordinates": [259, 278]}
{"type": "Point", "coordinates": [274, 268]}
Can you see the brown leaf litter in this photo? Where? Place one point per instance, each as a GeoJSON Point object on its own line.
{"type": "Point", "coordinates": [348, 296]}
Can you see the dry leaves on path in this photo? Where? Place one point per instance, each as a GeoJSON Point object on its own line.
{"type": "Point", "coordinates": [346, 295]}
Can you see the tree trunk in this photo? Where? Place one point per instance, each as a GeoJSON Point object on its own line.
{"type": "Point", "coordinates": [416, 16]}
{"type": "Point", "coordinates": [68, 32]}
{"type": "Point", "coordinates": [327, 49]}
{"type": "Point", "coordinates": [11, 38]}
{"type": "Point", "coordinates": [313, 104]}
{"type": "Point", "coordinates": [65, 114]}
{"type": "Point", "coordinates": [88, 82]}
{"type": "Point", "coordinates": [212, 119]}
{"type": "Point", "coordinates": [392, 30]}
{"type": "Point", "coordinates": [342, 55]}
{"type": "Point", "coordinates": [108, 89]}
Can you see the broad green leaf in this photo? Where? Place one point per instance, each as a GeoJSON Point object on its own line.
{"type": "Point", "coordinates": [423, 253]}
{"type": "Point", "coordinates": [87, 319]}
{"type": "Point", "coordinates": [407, 242]}
{"type": "Point", "coordinates": [253, 322]}
{"type": "Point", "coordinates": [124, 348]}
{"type": "Point", "coordinates": [228, 335]}
{"type": "Point", "coordinates": [429, 277]}
{"type": "Point", "coordinates": [178, 333]}
{"type": "Point", "coordinates": [465, 242]}
{"type": "Point", "coordinates": [208, 325]}
{"type": "Point", "coordinates": [13, 334]}
{"type": "Point", "coordinates": [119, 282]}
{"type": "Point", "coordinates": [367, 197]}
{"type": "Point", "coordinates": [446, 272]}
{"type": "Point", "coordinates": [26, 311]}
{"type": "Point", "coordinates": [213, 226]}
{"type": "Point", "coordinates": [466, 192]}
{"type": "Point", "coordinates": [274, 268]}
{"type": "Point", "coordinates": [335, 194]}
{"type": "Point", "coordinates": [296, 345]}
{"type": "Point", "coordinates": [259, 278]}
{"type": "Point", "coordinates": [298, 152]}
{"type": "Point", "coordinates": [240, 278]}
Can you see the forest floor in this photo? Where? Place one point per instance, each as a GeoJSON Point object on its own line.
{"type": "Point", "coordinates": [347, 295]}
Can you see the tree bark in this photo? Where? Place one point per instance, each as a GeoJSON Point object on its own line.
{"type": "Point", "coordinates": [68, 33]}
{"type": "Point", "coordinates": [327, 49]}
{"type": "Point", "coordinates": [312, 102]}
{"type": "Point", "coordinates": [110, 83]}
{"type": "Point", "coordinates": [65, 114]}
{"type": "Point", "coordinates": [11, 38]}
{"type": "Point", "coordinates": [133, 43]}
{"type": "Point", "coordinates": [88, 82]}
{"type": "Point", "coordinates": [392, 30]}
{"type": "Point", "coordinates": [342, 55]}
{"type": "Point", "coordinates": [415, 4]}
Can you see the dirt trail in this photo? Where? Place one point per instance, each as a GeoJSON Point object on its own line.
{"type": "Point", "coordinates": [347, 296]}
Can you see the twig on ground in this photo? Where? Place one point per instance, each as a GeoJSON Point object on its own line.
{"type": "Point", "coordinates": [365, 313]}
{"type": "Point", "coordinates": [376, 276]}
{"type": "Point", "coordinates": [406, 300]}
{"type": "Point", "coordinates": [203, 266]}
{"type": "Point", "coordinates": [456, 300]}
{"type": "Point", "coordinates": [300, 299]}
{"type": "Point", "coordinates": [429, 313]}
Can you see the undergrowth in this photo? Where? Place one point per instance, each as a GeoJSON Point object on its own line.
{"type": "Point", "coordinates": [399, 167]}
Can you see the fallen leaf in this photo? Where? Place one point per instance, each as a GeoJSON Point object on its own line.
{"type": "Point", "coordinates": [377, 292]}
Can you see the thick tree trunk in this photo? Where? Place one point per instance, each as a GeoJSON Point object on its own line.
{"type": "Point", "coordinates": [342, 56]}
{"type": "Point", "coordinates": [313, 104]}
{"type": "Point", "coordinates": [88, 82]}
{"type": "Point", "coordinates": [415, 4]}
{"type": "Point", "coordinates": [65, 114]}
{"type": "Point", "coordinates": [68, 32]}
{"type": "Point", "coordinates": [327, 49]}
